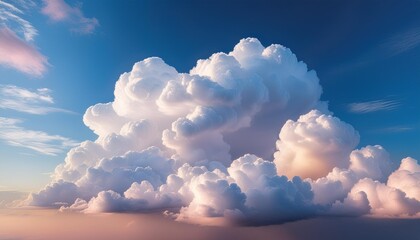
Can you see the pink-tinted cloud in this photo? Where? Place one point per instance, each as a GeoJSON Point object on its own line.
{"type": "Point", "coordinates": [60, 11]}
{"type": "Point", "coordinates": [20, 55]}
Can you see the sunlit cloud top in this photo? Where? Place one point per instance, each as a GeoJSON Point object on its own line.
{"type": "Point", "coordinates": [243, 138]}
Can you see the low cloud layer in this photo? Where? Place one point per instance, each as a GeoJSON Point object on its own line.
{"type": "Point", "coordinates": [200, 147]}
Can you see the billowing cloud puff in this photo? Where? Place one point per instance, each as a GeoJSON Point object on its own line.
{"type": "Point", "coordinates": [372, 162]}
{"type": "Point", "coordinates": [407, 178]}
{"type": "Point", "coordinates": [384, 200]}
{"type": "Point", "coordinates": [369, 162]}
{"type": "Point", "coordinates": [313, 145]}
{"type": "Point", "coordinates": [398, 197]}
{"type": "Point", "coordinates": [199, 146]}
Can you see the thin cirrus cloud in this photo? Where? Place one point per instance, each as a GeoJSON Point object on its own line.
{"type": "Point", "coordinates": [60, 11]}
{"type": "Point", "coordinates": [400, 43]}
{"type": "Point", "coordinates": [16, 35]}
{"type": "Point", "coordinates": [27, 101]}
{"type": "Point", "coordinates": [403, 42]}
{"type": "Point", "coordinates": [185, 152]}
{"type": "Point", "coordinates": [373, 106]}
{"type": "Point", "coordinates": [14, 135]}
{"type": "Point", "coordinates": [9, 15]}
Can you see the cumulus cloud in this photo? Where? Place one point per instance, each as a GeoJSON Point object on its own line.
{"type": "Point", "coordinates": [383, 200]}
{"type": "Point", "coordinates": [60, 11]}
{"type": "Point", "coordinates": [14, 135]}
{"type": "Point", "coordinates": [313, 145]}
{"type": "Point", "coordinates": [407, 178]}
{"type": "Point", "coordinates": [200, 147]}
{"type": "Point", "coordinates": [27, 101]}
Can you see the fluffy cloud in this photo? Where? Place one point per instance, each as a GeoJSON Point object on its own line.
{"type": "Point", "coordinates": [407, 178]}
{"type": "Point", "coordinates": [194, 145]}
{"type": "Point", "coordinates": [384, 201]}
{"type": "Point", "coordinates": [372, 162]}
{"type": "Point", "coordinates": [398, 197]}
{"type": "Point", "coordinates": [313, 145]}
{"type": "Point", "coordinates": [60, 11]}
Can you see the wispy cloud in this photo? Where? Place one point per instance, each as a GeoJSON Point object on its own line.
{"type": "Point", "coordinates": [60, 11]}
{"type": "Point", "coordinates": [10, 17]}
{"type": "Point", "coordinates": [373, 106]}
{"type": "Point", "coordinates": [16, 35]}
{"type": "Point", "coordinates": [20, 55]}
{"type": "Point", "coordinates": [395, 129]}
{"type": "Point", "coordinates": [397, 44]}
{"type": "Point", "coordinates": [24, 100]}
{"type": "Point", "coordinates": [41, 142]}
{"type": "Point", "coordinates": [402, 42]}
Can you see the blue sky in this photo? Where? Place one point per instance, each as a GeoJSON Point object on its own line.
{"type": "Point", "coordinates": [365, 54]}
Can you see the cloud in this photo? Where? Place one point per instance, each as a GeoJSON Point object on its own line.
{"type": "Point", "coordinates": [402, 42]}
{"type": "Point", "coordinates": [27, 101]}
{"type": "Point", "coordinates": [16, 35]}
{"type": "Point", "coordinates": [407, 178]}
{"type": "Point", "coordinates": [313, 145]}
{"type": "Point", "coordinates": [60, 11]}
{"type": "Point", "coordinates": [8, 197]}
{"type": "Point", "coordinates": [20, 55]}
{"type": "Point", "coordinates": [200, 147]}
{"type": "Point", "coordinates": [373, 106]}
{"type": "Point", "coordinates": [9, 17]}
{"type": "Point", "coordinates": [41, 142]}
{"type": "Point", "coordinates": [394, 129]}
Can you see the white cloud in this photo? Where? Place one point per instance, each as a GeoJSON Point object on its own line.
{"type": "Point", "coordinates": [25, 100]}
{"type": "Point", "coordinates": [372, 162]}
{"type": "Point", "coordinates": [373, 106]}
{"type": "Point", "coordinates": [313, 145]}
{"type": "Point", "coordinates": [402, 42]}
{"type": "Point", "coordinates": [168, 142]}
{"type": "Point", "coordinates": [399, 196]}
{"type": "Point", "coordinates": [385, 201]}
{"type": "Point", "coordinates": [41, 142]}
{"type": "Point", "coordinates": [9, 17]}
{"type": "Point", "coordinates": [60, 11]}
{"type": "Point", "coordinates": [407, 178]}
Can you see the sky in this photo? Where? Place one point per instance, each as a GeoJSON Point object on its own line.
{"type": "Point", "coordinates": [364, 54]}
{"type": "Point", "coordinates": [206, 109]}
